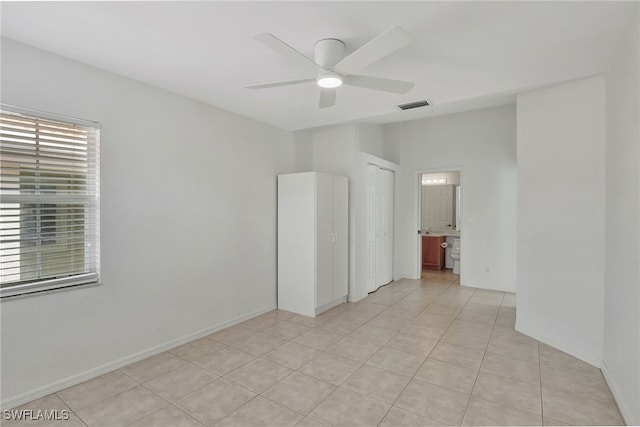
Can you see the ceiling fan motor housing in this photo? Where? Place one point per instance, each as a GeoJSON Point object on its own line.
{"type": "Point", "coordinates": [328, 52]}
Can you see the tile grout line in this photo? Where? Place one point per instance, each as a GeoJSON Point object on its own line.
{"type": "Point", "coordinates": [337, 386]}
{"type": "Point", "coordinates": [364, 363]}
{"type": "Point", "coordinates": [241, 386]}
{"type": "Point", "coordinates": [540, 370]}
{"type": "Point", "coordinates": [155, 394]}
{"type": "Point", "coordinates": [347, 379]}
{"type": "Point", "coordinates": [187, 414]}
{"type": "Point", "coordinates": [414, 374]}
{"type": "Point", "coordinates": [167, 401]}
{"type": "Point", "coordinates": [103, 399]}
{"type": "Point", "coordinates": [70, 410]}
{"type": "Point", "coordinates": [151, 391]}
{"type": "Point", "coordinates": [466, 409]}
{"type": "Point", "coordinates": [291, 373]}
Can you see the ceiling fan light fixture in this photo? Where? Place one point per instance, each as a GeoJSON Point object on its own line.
{"type": "Point", "coordinates": [334, 68]}
{"type": "Point", "coordinates": [329, 81]}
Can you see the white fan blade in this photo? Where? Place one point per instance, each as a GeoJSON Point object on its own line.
{"type": "Point", "coordinates": [282, 48]}
{"type": "Point", "coordinates": [382, 45]}
{"type": "Point", "coordinates": [327, 98]}
{"type": "Point", "coordinates": [378, 83]}
{"type": "Point", "coordinates": [284, 83]}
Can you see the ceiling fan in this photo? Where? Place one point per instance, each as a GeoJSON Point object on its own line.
{"type": "Point", "coordinates": [334, 69]}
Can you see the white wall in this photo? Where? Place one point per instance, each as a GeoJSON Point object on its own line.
{"type": "Point", "coordinates": [303, 151]}
{"type": "Point", "coordinates": [482, 144]}
{"type": "Point", "coordinates": [621, 359]}
{"type": "Point", "coordinates": [334, 152]}
{"type": "Point", "coordinates": [188, 199]}
{"type": "Point", "coordinates": [392, 149]}
{"type": "Point", "coordinates": [561, 199]}
{"type": "Point", "coordinates": [334, 149]}
{"type": "Point", "coordinates": [371, 139]}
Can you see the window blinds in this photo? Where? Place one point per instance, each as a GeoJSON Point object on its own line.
{"type": "Point", "coordinates": [49, 202]}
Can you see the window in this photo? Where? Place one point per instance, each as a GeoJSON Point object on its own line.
{"type": "Point", "coordinates": [49, 202]}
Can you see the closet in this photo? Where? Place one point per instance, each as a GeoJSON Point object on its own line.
{"type": "Point", "coordinates": [313, 211]}
{"type": "Point", "coordinates": [380, 183]}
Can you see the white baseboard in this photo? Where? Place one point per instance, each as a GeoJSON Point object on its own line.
{"type": "Point", "coordinates": [617, 396]}
{"type": "Point", "coordinates": [330, 305]}
{"type": "Point", "coordinates": [56, 386]}
{"type": "Point", "coordinates": [356, 298]}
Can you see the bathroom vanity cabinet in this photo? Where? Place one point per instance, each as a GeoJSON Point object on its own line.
{"type": "Point", "coordinates": [433, 252]}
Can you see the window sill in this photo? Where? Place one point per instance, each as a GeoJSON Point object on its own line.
{"type": "Point", "coordinates": [49, 286]}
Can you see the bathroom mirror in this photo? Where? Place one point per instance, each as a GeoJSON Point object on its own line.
{"type": "Point", "coordinates": [440, 201]}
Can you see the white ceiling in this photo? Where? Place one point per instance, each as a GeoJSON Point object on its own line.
{"type": "Point", "coordinates": [463, 54]}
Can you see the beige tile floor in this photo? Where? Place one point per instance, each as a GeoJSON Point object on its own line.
{"type": "Point", "coordinates": [414, 353]}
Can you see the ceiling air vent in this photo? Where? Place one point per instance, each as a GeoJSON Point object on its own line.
{"type": "Point", "coordinates": [415, 104]}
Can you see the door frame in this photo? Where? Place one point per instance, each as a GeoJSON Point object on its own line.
{"type": "Point", "coordinates": [418, 197]}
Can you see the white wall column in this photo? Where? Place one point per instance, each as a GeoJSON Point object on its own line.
{"type": "Point", "coordinates": [561, 208]}
{"type": "Point", "coordinates": [621, 359]}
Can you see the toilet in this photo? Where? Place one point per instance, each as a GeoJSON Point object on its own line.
{"type": "Point", "coordinates": [455, 256]}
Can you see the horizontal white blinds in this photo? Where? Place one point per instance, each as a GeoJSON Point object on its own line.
{"type": "Point", "coordinates": [49, 219]}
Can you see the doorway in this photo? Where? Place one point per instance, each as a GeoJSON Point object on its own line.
{"type": "Point", "coordinates": [380, 193]}
{"type": "Point", "coordinates": [439, 220]}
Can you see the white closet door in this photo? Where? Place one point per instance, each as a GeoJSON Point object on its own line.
{"type": "Point", "coordinates": [371, 227]}
{"type": "Point", "coordinates": [383, 178]}
{"type": "Point", "coordinates": [341, 237]}
{"type": "Point", "coordinates": [324, 244]}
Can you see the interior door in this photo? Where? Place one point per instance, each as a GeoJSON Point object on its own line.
{"type": "Point", "coordinates": [384, 178]}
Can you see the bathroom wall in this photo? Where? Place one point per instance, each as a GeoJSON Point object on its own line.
{"type": "Point", "coordinates": [561, 216]}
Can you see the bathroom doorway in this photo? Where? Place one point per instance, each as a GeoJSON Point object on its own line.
{"type": "Point", "coordinates": [439, 221]}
